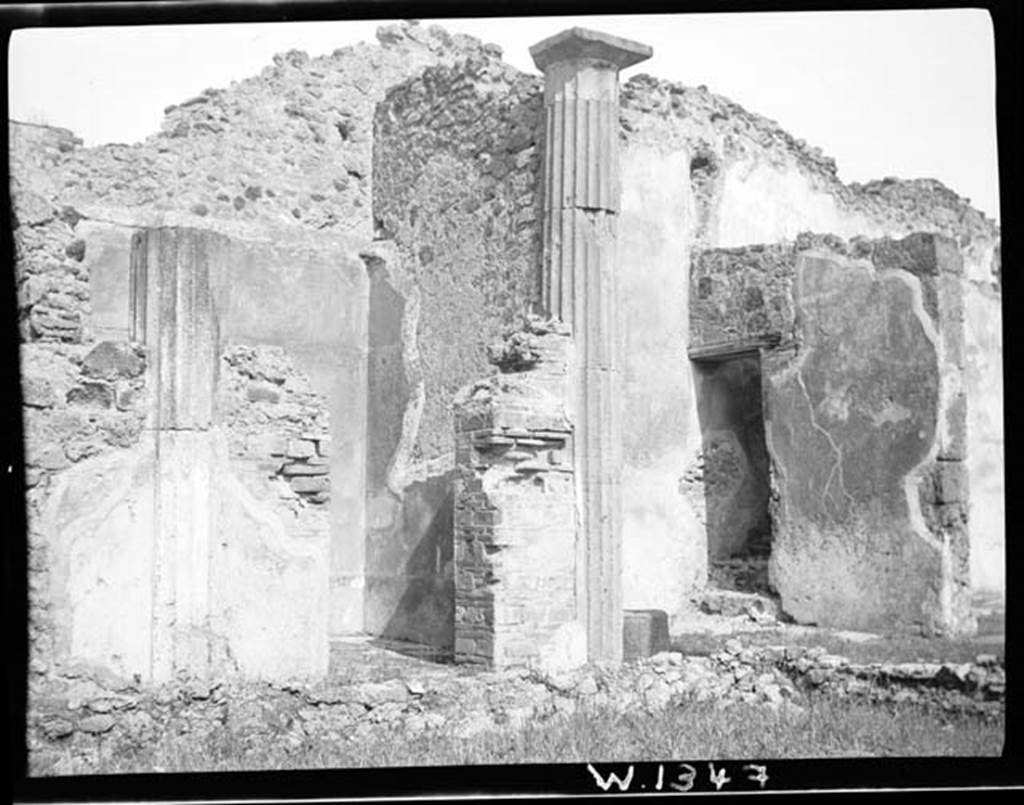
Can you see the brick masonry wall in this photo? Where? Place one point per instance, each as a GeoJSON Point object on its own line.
{"type": "Point", "coordinates": [515, 522]}
{"type": "Point", "coordinates": [278, 432]}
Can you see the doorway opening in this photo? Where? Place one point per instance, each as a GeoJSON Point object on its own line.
{"type": "Point", "coordinates": [736, 472]}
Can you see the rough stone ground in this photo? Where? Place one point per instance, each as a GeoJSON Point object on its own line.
{"type": "Point", "coordinates": [377, 686]}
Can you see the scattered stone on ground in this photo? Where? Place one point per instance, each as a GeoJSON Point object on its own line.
{"type": "Point", "coordinates": [373, 688]}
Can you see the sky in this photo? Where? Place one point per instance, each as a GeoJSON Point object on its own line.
{"type": "Point", "coordinates": [906, 93]}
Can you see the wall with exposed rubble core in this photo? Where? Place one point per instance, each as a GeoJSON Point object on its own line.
{"type": "Point", "coordinates": [290, 405]}
{"type": "Point", "coordinates": [279, 154]}
{"type": "Point", "coordinates": [444, 176]}
{"type": "Point", "coordinates": [456, 174]}
{"type": "Point", "coordinates": [697, 171]}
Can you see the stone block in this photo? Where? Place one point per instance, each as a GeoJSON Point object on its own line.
{"type": "Point", "coordinates": [126, 396]}
{"type": "Point", "coordinates": [91, 395]}
{"type": "Point", "coordinates": [273, 445]}
{"type": "Point", "coordinates": [261, 391]}
{"type": "Point", "coordinates": [110, 360]}
{"type": "Point", "coordinates": [295, 469]}
{"type": "Point", "coordinates": [51, 458]}
{"type": "Point", "coordinates": [300, 448]}
{"type": "Point", "coordinates": [644, 633]}
{"type": "Point", "coordinates": [37, 392]}
{"type": "Point", "coordinates": [307, 484]}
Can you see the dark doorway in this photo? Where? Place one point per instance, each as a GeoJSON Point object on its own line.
{"type": "Point", "coordinates": [736, 472]}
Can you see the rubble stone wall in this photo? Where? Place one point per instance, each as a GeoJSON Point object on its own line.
{"type": "Point", "coordinates": [456, 175]}
{"type": "Point", "coordinates": [291, 145]}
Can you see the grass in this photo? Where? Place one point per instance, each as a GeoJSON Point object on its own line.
{"type": "Point", "coordinates": [828, 728]}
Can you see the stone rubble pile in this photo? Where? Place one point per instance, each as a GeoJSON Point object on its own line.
{"type": "Point", "coordinates": [77, 706]}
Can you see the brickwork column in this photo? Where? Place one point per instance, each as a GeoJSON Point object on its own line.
{"type": "Point", "coordinates": [581, 204]}
{"type": "Point", "coordinates": [515, 523]}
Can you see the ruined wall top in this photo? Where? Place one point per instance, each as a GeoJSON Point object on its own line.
{"type": "Point", "coordinates": [712, 126]}
{"type": "Point", "coordinates": [292, 144]}
{"type": "Point", "coordinates": [307, 123]}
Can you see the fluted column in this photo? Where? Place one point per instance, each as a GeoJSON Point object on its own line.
{"type": "Point", "coordinates": [581, 203]}
{"type": "Point", "coordinates": [181, 330]}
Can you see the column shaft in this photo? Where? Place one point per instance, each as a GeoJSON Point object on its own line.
{"type": "Point", "coordinates": [581, 202]}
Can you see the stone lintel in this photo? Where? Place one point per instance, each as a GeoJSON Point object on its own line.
{"type": "Point", "coordinates": [583, 43]}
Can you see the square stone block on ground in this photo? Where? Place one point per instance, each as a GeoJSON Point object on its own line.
{"type": "Point", "coordinates": [644, 633]}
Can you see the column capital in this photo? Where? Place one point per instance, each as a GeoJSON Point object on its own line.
{"type": "Point", "coordinates": [582, 43]}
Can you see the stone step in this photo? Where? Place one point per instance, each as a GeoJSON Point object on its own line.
{"type": "Point", "coordinates": [748, 574]}
{"type": "Point", "coordinates": [731, 603]}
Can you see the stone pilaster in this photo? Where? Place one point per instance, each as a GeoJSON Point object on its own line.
{"type": "Point", "coordinates": [581, 202]}
{"type": "Point", "coordinates": [181, 333]}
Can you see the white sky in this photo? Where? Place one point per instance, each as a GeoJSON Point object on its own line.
{"type": "Point", "coordinates": [887, 93]}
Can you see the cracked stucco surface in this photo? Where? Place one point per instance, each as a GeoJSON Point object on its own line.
{"type": "Point", "coordinates": [851, 545]}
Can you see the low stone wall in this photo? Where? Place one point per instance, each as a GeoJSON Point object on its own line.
{"type": "Point", "coordinates": [978, 686]}
{"type": "Point", "coordinates": [78, 717]}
